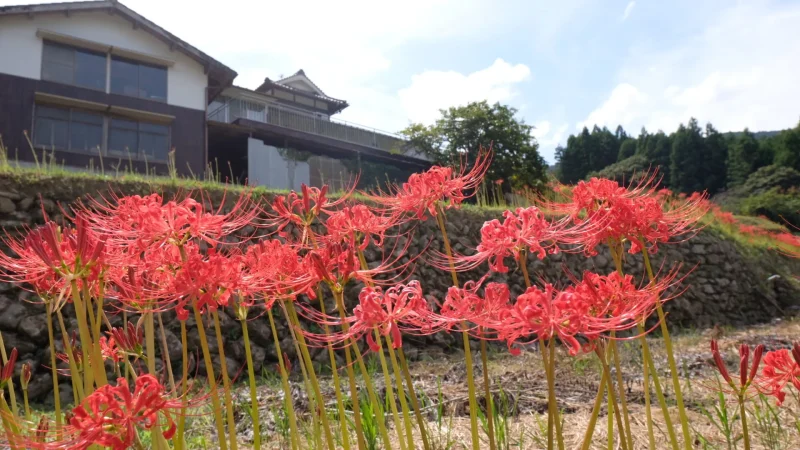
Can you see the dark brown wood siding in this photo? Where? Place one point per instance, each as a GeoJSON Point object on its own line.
{"type": "Point", "coordinates": [16, 117]}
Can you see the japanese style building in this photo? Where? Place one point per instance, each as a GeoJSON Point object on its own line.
{"type": "Point", "coordinates": [95, 84]}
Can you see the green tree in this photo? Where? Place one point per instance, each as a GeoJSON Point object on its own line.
{"type": "Point", "coordinates": [573, 161]}
{"type": "Point", "coordinates": [716, 150]}
{"type": "Point", "coordinates": [464, 130]}
{"type": "Point", "coordinates": [687, 158]}
{"type": "Point", "coordinates": [626, 149]}
{"type": "Point", "coordinates": [660, 156]}
{"type": "Point", "coordinates": [741, 158]}
{"type": "Point", "coordinates": [787, 154]}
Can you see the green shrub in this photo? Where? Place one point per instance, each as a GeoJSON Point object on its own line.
{"type": "Point", "coordinates": [776, 204]}
{"type": "Point", "coordinates": [770, 177]}
{"type": "Point", "coordinates": [626, 170]}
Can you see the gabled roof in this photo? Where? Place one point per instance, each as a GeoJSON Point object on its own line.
{"type": "Point", "coordinates": [300, 76]}
{"type": "Point", "coordinates": [220, 75]}
{"type": "Point", "coordinates": [335, 105]}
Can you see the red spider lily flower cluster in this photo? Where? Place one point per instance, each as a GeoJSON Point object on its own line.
{"type": "Point", "coordinates": [637, 214]}
{"type": "Point", "coordinates": [128, 339]}
{"type": "Point", "coordinates": [747, 372]}
{"type": "Point", "coordinates": [592, 308]}
{"type": "Point", "coordinates": [781, 368]}
{"type": "Point", "coordinates": [523, 230]}
{"type": "Point", "coordinates": [111, 415]}
{"type": "Point", "coordinates": [399, 308]}
{"type": "Point", "coordinates": [424, 191]}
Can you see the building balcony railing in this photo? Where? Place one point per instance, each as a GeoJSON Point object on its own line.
{"type": "Point", "coordinates": [230, 109]}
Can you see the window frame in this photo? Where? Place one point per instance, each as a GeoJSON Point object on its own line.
{"type": "Point", "coordinates": [139, 65]}
{"type": "Point", "coordinates": [74, 50]}
{"type": "Point", "coordinates": [104, 150]}
{"type": "Point", "coordinates": [69, 121]}
{"type": "Point", "coordinates": [109, 57]}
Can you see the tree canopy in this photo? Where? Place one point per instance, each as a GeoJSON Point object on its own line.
{"type": "Point", "coordinates": [462, 131]}
{"type": "Point", "coordinates": [693, 158]}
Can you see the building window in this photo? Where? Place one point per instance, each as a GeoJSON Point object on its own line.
{"type": "Point", "coordinates": [67, 129]}
{"type": "Point", "coordinates": [82, 131]}
{"type": "Point", "coordinates": [140, 139]}
{"type": "Point", "coordinates": [138, 80]}
{"type": "Point", "coordinates": [69, 65]}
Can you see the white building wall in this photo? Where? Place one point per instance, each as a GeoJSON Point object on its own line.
{"type": "Point", "coordinates": [266, 167]}
{"type": "Point", "coordinates": [21, 49]}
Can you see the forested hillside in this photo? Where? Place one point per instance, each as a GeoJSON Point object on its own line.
{"type": "Point", "coordinates": [750, 173]}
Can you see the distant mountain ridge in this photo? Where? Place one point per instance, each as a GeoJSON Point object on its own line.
{"type": "Point", "coordinates": [758, 134]}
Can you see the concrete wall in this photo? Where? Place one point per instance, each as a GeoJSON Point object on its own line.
{"type": "Point", "coordinates": [21, 49]}
{"type": "Point", "coordinates": [266, 167]}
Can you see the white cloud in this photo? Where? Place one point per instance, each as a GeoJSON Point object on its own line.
{"type": "Point", "coordinates": [549, 138]}
{"type": "Point", "coordinates": [628, 10]}
{"type": "Point", "coordinates": [622, 107]}
{"type": "Point", "coordinates": [723, 76]}
{"type": "Point", "coordinates": [433, 90]}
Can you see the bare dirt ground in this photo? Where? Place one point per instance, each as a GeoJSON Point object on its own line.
{"type": "Point", "coordinates": [520, 390]}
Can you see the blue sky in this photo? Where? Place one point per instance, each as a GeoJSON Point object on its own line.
{"type": "Point", "coordinates": [562, 64]}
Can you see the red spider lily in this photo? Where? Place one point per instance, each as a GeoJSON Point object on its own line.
{"type": "Point", "coordinates": [525, 229]}
{"type": "Point", "coordinates": [723, 216]}
{"type": "Point", "coordinates": [25, 376]}
{"type": "Point", "coordinates": [781, 367]}
{"type": "Point", "coordinates": [338, 263]}
{"type": "Point", "coordinates": [111, 415]}
{"type": "Point", "coordinates": [77, 354]}
{"type": "Point", "coordinates": [464, 304]}
{"type": "Point", "coordinates": [49, 257]}
{"type": "Point", "coordinates": [301, 210]}
{"type": "Point", "coordinates": [423, 191]}
{"type": "Point", "coordinates": [357, 225]}
{"type": "Point", "coordinates": [546, 313]}
{"type": "Point", "coordinates": [211, 280]}
{"type": "Point", "coordinates": [594, 307]}
{"type": "Point", "coordinates": [276, 271]}
{"type": "Point", "coordinates": [747, 373]}
{"type": "Point", "coordinates": [399, 308]}
{"type": "Point", "coordinates": [137, 222]}
{"type": "Point", "coordinates": [7, 369]}
{"type": "Point", "coordinates": [129, 340]}
{"type": "Point", "coordinates": [109, 349]}
{"type": "Point", "coordinates": [636, 213]}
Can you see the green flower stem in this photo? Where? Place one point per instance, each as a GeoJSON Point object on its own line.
{"type": "Point", "coordinates": [150, 344]}
{"type": "Point", "coordinates": [337, 389]}
{"type": "Point", "coordinates": [676, 383]}
{"type": "Point", "coordinates": [301, 340]}
{"type": "Point", "coordinates": [92, 368]}
{"type": "Point", "coordinates": [252, 378]}
{"type": "Point", "coordinates": [401, 393]}
{"type": "Point", "coordinates": [473, 401]}
{"type": "Point", "coordinates": [598, 401]}
{"type": "Point", "coordinates": [338, 295]}
{"type": "Point", "coordinates": [212, 379]}
{"type": "Point", "coordinates": [552, 401]}
{"type": "Point", "coordinates": [376, 405]}
{"type": "Point", "coordinates": [226, 382]}
{"type": "Point", "coordinates": [54, 371]}
{"type": "Point", "coordinates": [11, 395]}
{"type": "Point", "coordinates": [647, 369]}
{"type": "Point", "coordinates": [75, 373]}
{"type": "Point", "coordinates": [312, 405]}
{"type": "Point", "coordinates": [743, 414]}
{"type": "Point", "coordinates": [387, 381]}
{"type": "Point", "coordinates": [9, 424]}
{"type": "Point", "coordinates": [621, 388]}
{"type": "Point", "coordinates": [414, 400]}
{"type": "Point", "coordinates": [612, 399]}
{"type": "Point", "coordinates": [179, 435]}
{"type": "Point", "coordinates": [287, 391]}
{"type": "Point", "coordinates": [489, 399]}
{"type": "Point", "coordinates": [165, 352]}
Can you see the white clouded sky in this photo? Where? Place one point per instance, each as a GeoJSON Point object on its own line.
{"type": "Point", "coordinates": [562, 64]}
